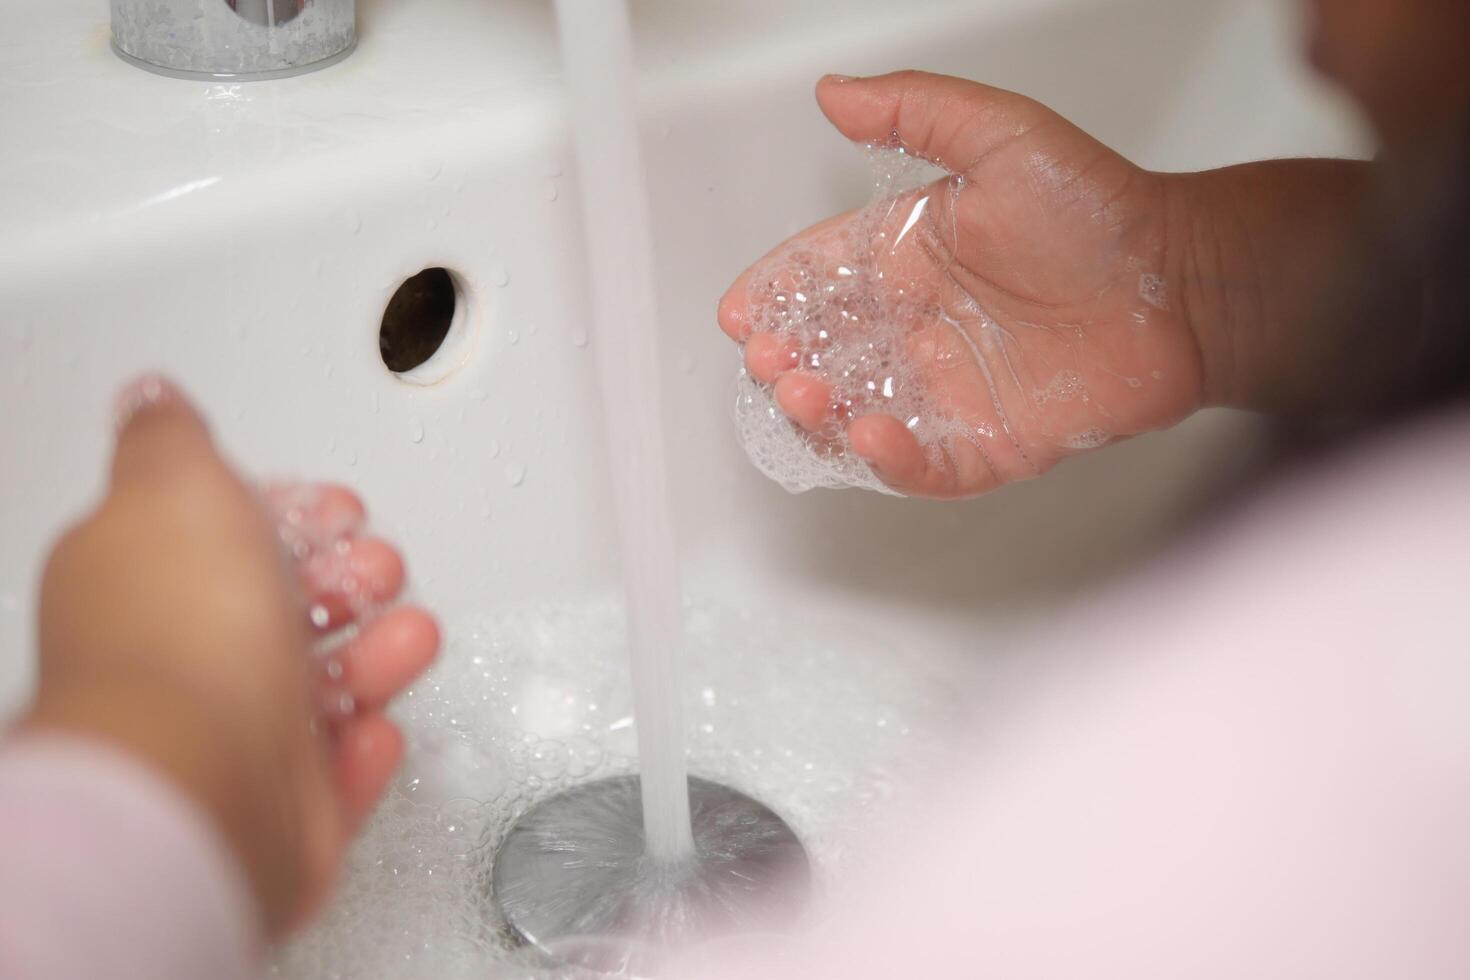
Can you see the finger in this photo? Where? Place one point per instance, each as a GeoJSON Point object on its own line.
{"type": "Point", "coordinates": [767, 356]}
{"type": "Point", "coordinates": [825, 242]}
{"type": "Point", "coordinates": [157, 431]}
{"type": "Point", "coordinates": [731, 313]}
{"type": "Point", "coordinates": [960, 469]}
{"type": "Point", "coordinates": [321, 511]}
{"type": "Point", "coordinates": [891, 450]}
{"type": "Point", "coordinates": [385, 657]}
{"type": "Point", "coordinates": [368, 751]}
{"type": "Point", "coordinates": [366, 571]}
{"type": "Point", "coordinates": [953, 122]}
{"type": "Point", "coordinates": [806, 400]}
{"type": "Point", "coordinates": [896, 457]}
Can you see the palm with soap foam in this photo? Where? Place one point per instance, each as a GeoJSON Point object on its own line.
{"type": "Point", "coordinates": [1048, 264]}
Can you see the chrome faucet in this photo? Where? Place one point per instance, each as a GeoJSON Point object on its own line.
{"type": "Point", "coordinates": [236, 40]}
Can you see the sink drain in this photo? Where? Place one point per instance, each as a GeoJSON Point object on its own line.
{"type": "Point", "coordinates": [573, 881]}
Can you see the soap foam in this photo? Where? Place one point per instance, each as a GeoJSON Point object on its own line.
{"type": "Point", "coordinates": [820, 725]}
{"type": "Point", "coordinates": [850, 303]}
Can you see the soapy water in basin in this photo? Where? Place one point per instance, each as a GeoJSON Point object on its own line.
{"type": "Point", "coordinates": [820, 725]}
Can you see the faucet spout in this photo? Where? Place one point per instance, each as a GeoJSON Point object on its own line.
{"type": "Point", "coordinates": [236, 40]}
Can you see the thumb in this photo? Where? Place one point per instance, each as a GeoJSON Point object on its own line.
{"type": "Point", "coordinates": [158, 430]}
{"type": "Point", "coordinates": [952, 122]}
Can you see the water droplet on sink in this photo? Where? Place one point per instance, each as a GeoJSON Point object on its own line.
{"type": "Point", "coordinates": [516, 474]}
{"type": "Point", "coordinates": [513, 336]}
{"type": "Point", "coordinates": [431, 167]}
{"type": "Point", "coordinates": [579, 337]}
{"type": "Point", "coordinates": [417, 432]}
{"type": "Point", "coordinates": [551, 191]}
{"type": "Point", "coordinates": [500, 275]}
{"type": "Point", "coordinates": [493, 449]}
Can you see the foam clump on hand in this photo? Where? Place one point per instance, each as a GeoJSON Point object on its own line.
{"type": "Point", "coordinates": [782, 452]}
{"type": "Point", "coordinates": [847, 305]}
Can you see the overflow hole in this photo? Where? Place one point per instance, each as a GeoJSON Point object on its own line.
{"type": "Point", "coordinates": [418, 320]}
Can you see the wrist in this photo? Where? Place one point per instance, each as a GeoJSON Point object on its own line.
{"type": "Point", "coordinates": [1213, 290]}
{"type": "Point", "coordinates": [1258, 250]}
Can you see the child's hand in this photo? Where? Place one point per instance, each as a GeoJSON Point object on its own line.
{"type": "Point", "coordinates": [173, 627]}
{"type": "Point", "coordinates": [1058, 240]}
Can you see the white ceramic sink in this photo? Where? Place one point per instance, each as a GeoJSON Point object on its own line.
{"type": "Point", "coordinates": [245, 238]}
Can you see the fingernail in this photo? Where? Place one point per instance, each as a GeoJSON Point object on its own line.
{"type": "Point", "coordinates": [142, 393]}
{"type": "Point", "coordinates": [840, 79]}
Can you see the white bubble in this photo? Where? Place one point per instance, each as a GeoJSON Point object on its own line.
{"type": "Point", "coordinates": [1087, 439]}
{"type": "Point", "coordinates": [1154, 290]}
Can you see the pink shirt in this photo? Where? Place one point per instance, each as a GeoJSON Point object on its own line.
{"type": "Point", "coordinates": [1249, 761]}
{"type": "Point", "coordinates": [108, 873]}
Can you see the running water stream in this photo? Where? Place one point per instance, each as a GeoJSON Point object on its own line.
{"type": "Point", "coordinates": [597, 54]}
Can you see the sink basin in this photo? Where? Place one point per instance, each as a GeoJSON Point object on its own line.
{"type": "Point", "coordinates": [246, 238]}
